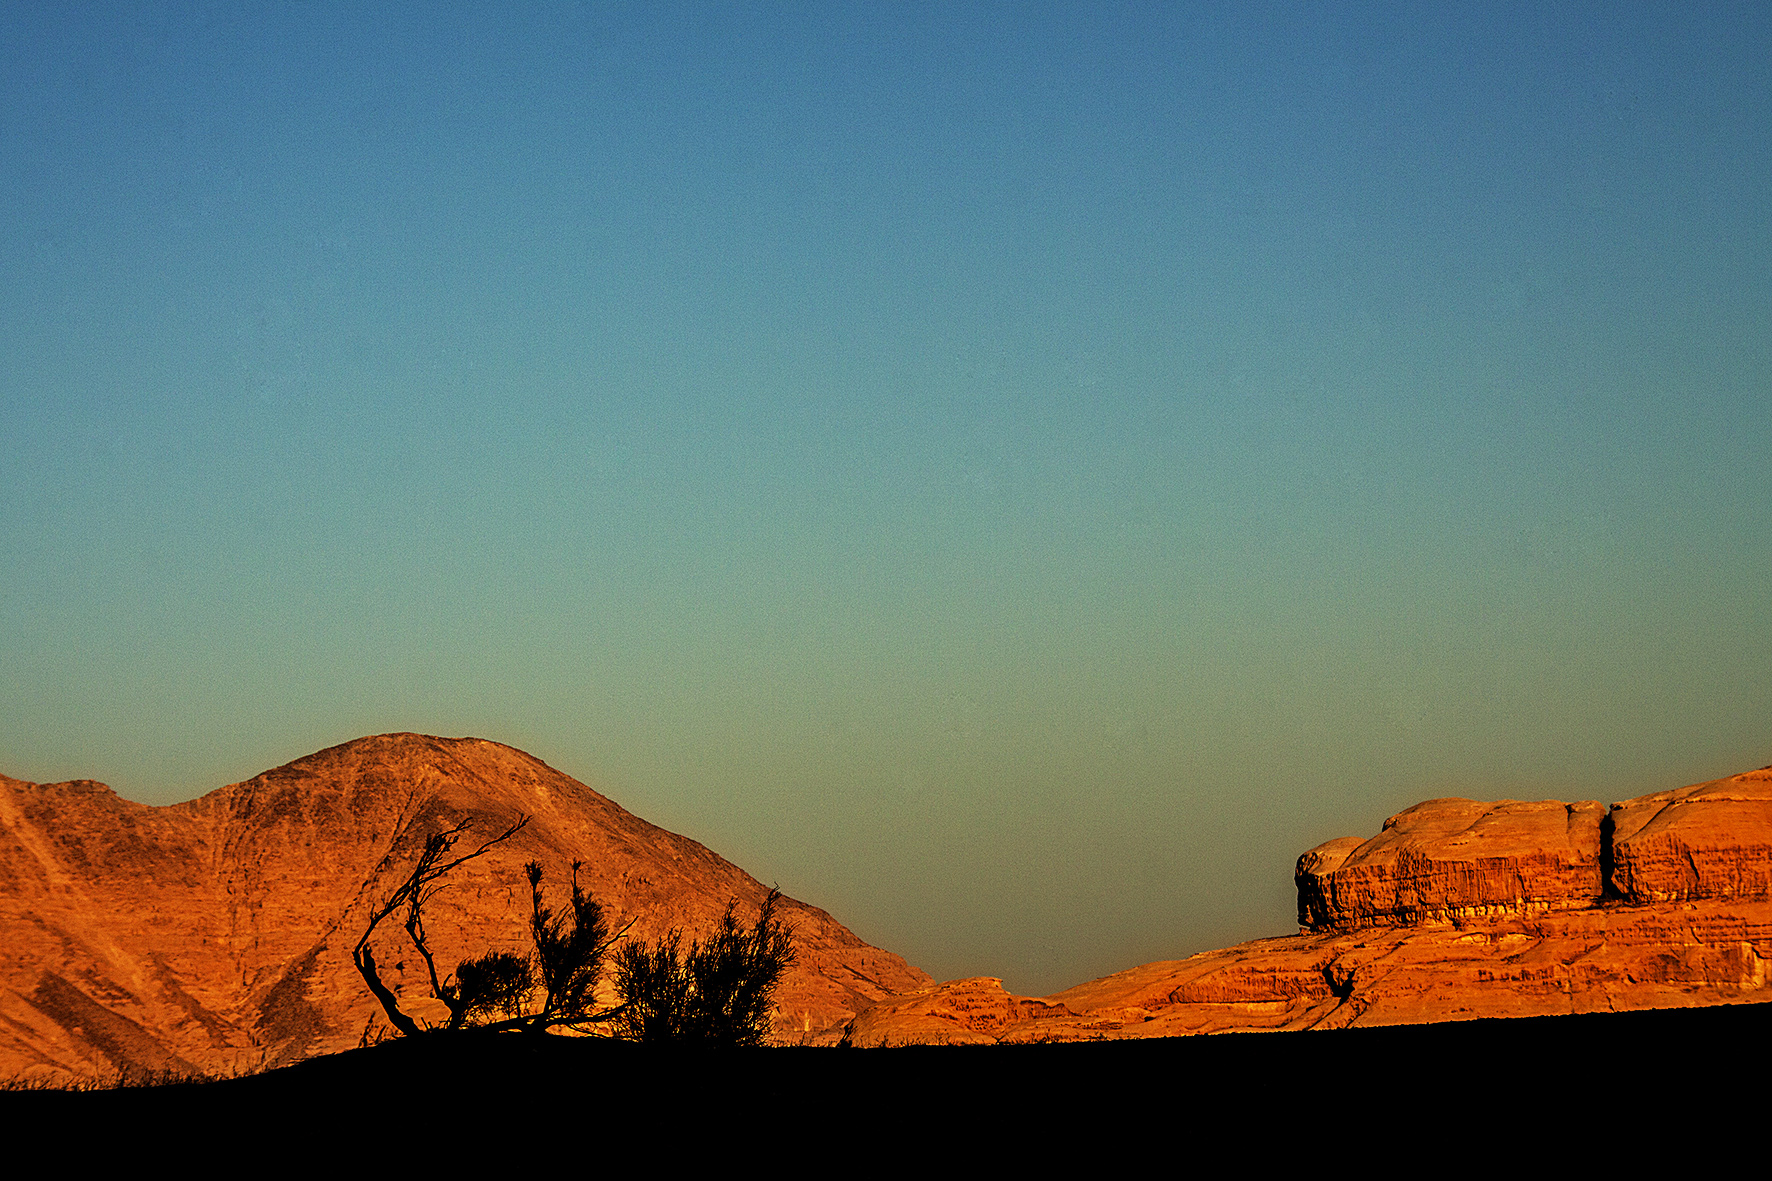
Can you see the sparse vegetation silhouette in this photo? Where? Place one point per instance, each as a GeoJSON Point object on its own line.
{"type": "Point", "coordinates": [718, 993]}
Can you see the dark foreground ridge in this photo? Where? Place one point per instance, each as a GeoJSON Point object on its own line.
{"type": "Point", "coordinates": [1405, 1080]}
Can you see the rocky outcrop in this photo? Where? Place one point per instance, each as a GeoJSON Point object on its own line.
{"type": "Point", "coordinates": [1449, 859]}
{"type": "Point", "coordinates": [1459, 859]}
{"type": "Point", "coordinates": [1457, 909]}
{"type": "Point", "coordinates": [960, 1012]}
{"type": "Point", "coordinates": [217, 933]}
{"type": "Point", "coordinates": [1710, 840]}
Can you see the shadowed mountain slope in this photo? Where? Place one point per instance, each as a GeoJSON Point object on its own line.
{"type": "Point", "coordinates": [216, 934]}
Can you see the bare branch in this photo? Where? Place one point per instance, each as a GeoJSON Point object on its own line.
{"type": "Point", "coordinates": [413, 893]}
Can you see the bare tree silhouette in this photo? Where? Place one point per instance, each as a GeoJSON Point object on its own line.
{"type": "Point", "coordinates": [498, 990]}
{"type": "Point", "coordinates": [719, 993]}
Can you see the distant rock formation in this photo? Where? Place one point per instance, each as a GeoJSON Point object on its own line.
{"type": "Point", "coordinates": [1456, 859]}
{"type": "Point", "coordinates": [216, 934]}
{"type": "Point", "coordinates": [959, 1012]}
{"type": "Point", "coordinates": [1457, 909]}
{"type": "Point", "coordinates": [1452, 859]}
{"type": "Point", "coordinates": [1709, 841]}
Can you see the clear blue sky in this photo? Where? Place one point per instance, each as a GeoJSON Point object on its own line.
{"type": "Point", "coordinates": [1013, 475]}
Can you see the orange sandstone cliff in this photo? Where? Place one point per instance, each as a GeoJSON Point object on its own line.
{"type": "Point", "coordinates": [1457, 909]}
{"type": "Point", "coordinates": [216, 934]}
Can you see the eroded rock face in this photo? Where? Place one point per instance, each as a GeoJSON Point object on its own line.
{"type": "Point", "coordinates": [1575, 961]}
{"type": "Point", "coordinates": [1447, 859]}
{"type": "Point", "coordinates": [216, 933]}
{"type": "Point", "coordinates": [1460, 859]}
{"type": "Point", "coordinates": [959, 1012]}
{"type": "Point", "coordinates": [1710, 840]}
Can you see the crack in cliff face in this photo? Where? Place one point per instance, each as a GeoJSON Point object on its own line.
{"type": "Point", "coordinates": [1692, 871]}
{"type": "Point", "coordinates": [1608, 859]}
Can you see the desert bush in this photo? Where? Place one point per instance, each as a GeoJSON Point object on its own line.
{"type": "Point", "coordinates": [718, 993]}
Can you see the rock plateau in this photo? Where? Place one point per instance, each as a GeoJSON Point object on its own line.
{"type": "Point", "coordinates": [1457, 909]}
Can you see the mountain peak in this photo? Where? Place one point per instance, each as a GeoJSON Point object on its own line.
{"type": "Point", "coordinates": [217, 932]}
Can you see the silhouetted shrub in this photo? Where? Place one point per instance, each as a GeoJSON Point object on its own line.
{"type": "Point", "coordinates": [718, 994]}
{"type": "Point", "coordinates": [498, 984]}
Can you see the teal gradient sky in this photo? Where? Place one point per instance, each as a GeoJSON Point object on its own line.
{"type": "Point", "coordinates": [1014, 476]}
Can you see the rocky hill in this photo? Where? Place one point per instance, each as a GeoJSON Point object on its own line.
{"type": "Point", "coordinates": [216, 934]}
{"type": "Point", "coordinates": [1457, 909]}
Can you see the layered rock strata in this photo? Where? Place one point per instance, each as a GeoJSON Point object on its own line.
{"type": "Point", "coordinates": [1457, 909]}
{"type": "Point", "coordinates": [1449, 859]}
{"type": "Point", "coordinates": [216, 934]}
{"type": "Point", "coordinates": [1709, 841]}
